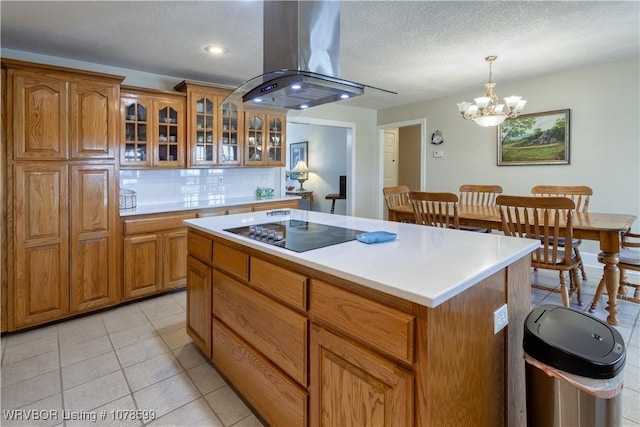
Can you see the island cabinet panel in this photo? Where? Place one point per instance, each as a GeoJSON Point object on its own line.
{"type": "Point", "coordinates": [384, 328]}
{"type": "Point", "coordinates": [200, 246]}
{"type": "Point", "coordinates": [276, 397]}
{"type": "Point", "coordinates": [352, 386]}
{"type": "Point", "coordinates": [199, 304]}
{"type": "Point", "coordinates": [463, 354]}
{"type": "Point", "coordinates": [284, 285]}
{"type": "Point", "coordinates": [231, 260]}
{"type": "Point", "coordinates": [273, 329]}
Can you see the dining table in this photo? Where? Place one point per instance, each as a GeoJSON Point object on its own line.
{"type": "Point", "coordinates": [605, 228]}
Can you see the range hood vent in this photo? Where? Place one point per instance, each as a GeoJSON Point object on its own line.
{"type": "Point", "coordinates": [301, 58]}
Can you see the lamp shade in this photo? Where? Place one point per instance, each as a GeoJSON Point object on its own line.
{"type": "Point", "coordinates": [301, 166]}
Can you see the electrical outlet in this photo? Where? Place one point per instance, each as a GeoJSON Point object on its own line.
{"type": "Point", "coordinates": [438, 154]}
{"type": "Point", "coordinates": [500, 319]}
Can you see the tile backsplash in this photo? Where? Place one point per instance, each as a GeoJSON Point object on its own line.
{"type": "Point", "coordinates": [177, 185]}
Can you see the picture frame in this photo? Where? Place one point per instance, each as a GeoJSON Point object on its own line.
{"type": "Point", "coordinates": [534, 139]}
{"type": "Point", "coordinates": [298, 151]}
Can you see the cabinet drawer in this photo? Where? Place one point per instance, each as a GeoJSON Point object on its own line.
{"type": "Point", "coordinates": [382, 327]}
{"type": "Point", "coordinates": [200, 246]}
{"type": "Point", "coordinates": [152, 225]}
{"type": "Point", "coordinates": [278, 400]}
{"type": "Point", "coordinates": [231, 260]}
{"type": "Point", "coordinates": [282, 284]}
{"type": "Point", "coordinates": [275, 330]}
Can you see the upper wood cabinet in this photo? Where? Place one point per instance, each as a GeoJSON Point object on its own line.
{"type": "Point", "coordinates": [214, 131]}
{"type": "Point", "coordinates": [153, 131]}
{"type": "Point", "coordinates": [60, 114]}
{"type": "Point", "coordinates": [264, 139]}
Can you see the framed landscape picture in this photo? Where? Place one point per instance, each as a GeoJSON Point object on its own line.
{"type": "Point", "coordinates": [535, 139]}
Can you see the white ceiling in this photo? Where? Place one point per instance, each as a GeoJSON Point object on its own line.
{"type": "Point", "coordinates": [421, 49]}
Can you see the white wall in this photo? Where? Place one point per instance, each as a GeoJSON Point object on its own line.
{"type": "Point", "coordinates": [604, 137]}
{"type": "Point", "coordinates": [365, 155]}
{"type": "Point", "coordinates": [327, 155]}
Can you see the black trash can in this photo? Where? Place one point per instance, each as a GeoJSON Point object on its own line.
{"type": "Point", "coordinates": [574, 369]}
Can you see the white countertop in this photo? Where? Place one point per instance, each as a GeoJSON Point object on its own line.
{"type": "Point", "coordinates": [217, 202]}
{"type": "Point", "coordinates": [425, 265]}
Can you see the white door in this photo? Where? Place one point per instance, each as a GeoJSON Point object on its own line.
{"type": "Point", "coordinates": [390, 157]}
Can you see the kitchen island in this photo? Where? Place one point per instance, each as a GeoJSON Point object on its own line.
{"type": "Point", "coordinates": [397, 333]}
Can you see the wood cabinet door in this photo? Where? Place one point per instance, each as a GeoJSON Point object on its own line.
{"type": "Point", "coordinates": [230, 127]}
{"type": "Point", "coordinates": [199, 304]}
{"type": "Point", "coordinates": [168, 133]}
{"type": "Point", "coordinates": [174, 252]}
{"type": "Point", "coordinates": [254, 135]}
{"type": "Point", "coordinates": [40, 117]}
{"type": "Point", "coordinates": [275, 143]}
{"type": "Point", "coordinates": [93, 240]}
{"type": "Point", "coordinates": [142, 268]}
{"type": "Point", "coordinates": [40, 291]}
{"type": "Point", "coordinates": [135, 147]}
{"type": "Point", "coordinates": [94, 120]}
{"type": "Point", "coordinates": [351, 385]}
{"type": "Point", "coordinates": [202, 132]}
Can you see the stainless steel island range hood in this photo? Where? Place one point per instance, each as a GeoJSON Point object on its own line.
{"type": "Point", "coordinates": [301, 58]}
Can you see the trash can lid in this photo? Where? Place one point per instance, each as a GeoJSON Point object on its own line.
{"type": "Point", "coordinates": [574, 342]}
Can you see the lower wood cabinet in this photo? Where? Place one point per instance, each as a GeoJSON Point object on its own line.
{"type": "Point", "coordinates": [277, 398]}
{"type": "Point", "coordinates": [199, 304]}
{"type": "Point", "coordinates": [302, 352]}
{"type": "Point", "coordinates": [155, 254]}
{"type": "Point", "coordinates": [352, 385]}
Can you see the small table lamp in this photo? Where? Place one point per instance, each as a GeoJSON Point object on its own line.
{"type": "Point", "coordinates": [303, 172]}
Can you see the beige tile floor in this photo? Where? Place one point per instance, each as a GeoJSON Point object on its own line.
{"type": "Point", "coordinates": [138, 357]}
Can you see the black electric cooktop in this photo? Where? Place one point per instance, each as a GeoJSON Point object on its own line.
{"type": "Point", "coordinates": [296, 235]}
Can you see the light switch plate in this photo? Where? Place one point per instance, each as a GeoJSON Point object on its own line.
{"type": "Point", "coordinates": [500, 319]}
{"type": "Point", "coordinates": [438, 154]}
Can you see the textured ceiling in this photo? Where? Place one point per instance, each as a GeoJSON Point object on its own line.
{"type": "Point", "coordinates": [421, 49]}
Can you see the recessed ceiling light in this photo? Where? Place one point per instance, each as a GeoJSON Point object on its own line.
{"type": "Point", "coordinates": [257, 99]}
{"type": "Point", "coordinates": [296, 86]}
{"type": "Point", "coordinates": [215, 50]}
{"type": "Point", "coordinates": [344, 96]}
{"type": "Point", "coordinates": [304, 106]}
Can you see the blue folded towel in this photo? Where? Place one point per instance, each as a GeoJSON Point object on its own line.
{"type": "Point", "coordinates": [376, 237]}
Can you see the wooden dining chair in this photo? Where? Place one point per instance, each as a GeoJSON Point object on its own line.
{"type": "Point", "coordinates": [546, 219]}
{"type": "Point", "coordinates": [629, 259]}
{"type": "Point", "coordinates": [396, 196]}
{"type": "Point", "coordinates": [435, 209]}
{"type": "Point", "coordinates": [438, 209]}
{"type": "Point", "coordinates": [481, 195]}
{"type": "Point", "coordinates": [580, 194]}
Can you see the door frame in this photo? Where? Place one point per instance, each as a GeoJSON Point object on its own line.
{"type": "Point", "coordinates": [351, 149]}
{"type": "Point", "coordinates": [423, 164]}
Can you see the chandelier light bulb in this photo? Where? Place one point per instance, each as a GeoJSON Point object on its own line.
{"type": "Point", "coordinates": [486, 111]}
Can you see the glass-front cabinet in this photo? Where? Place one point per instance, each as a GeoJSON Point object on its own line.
{"type": "Point", "coordinates": [254, 141]}
{"type": "Point", "coordinates": [153, 130]}
{"type": "Point", "coordinates": [275, 141]}
{"type": "Point", "coordinates": [264, 139]}
{"type": "Point", "coordinates": [230, 148]}
{"type": "Point", "coordinates": [213, 131]}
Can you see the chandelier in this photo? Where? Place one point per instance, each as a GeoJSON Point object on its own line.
{"type": "Point", "coordinates": [486, 111]}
